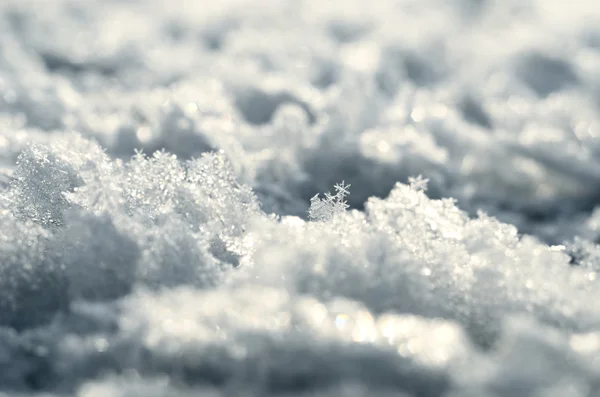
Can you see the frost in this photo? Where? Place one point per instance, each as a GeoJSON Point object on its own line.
{"type": "Point", "coordinates": [39, 182]}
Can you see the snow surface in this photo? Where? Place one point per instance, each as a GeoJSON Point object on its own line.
{"type": "Point", "coordinates": [157, 164]}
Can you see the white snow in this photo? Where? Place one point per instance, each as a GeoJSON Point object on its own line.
{"type": "Point", "coordinates": [162, 231]}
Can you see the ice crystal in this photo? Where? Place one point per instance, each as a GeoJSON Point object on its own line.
{"type": "Point", "coordinates": [325, 209]}
{"type": "Point", "coordinates": [418, 183]}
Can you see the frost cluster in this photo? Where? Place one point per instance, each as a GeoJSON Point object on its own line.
{"type": "Point", "coordinates": [164, 233]}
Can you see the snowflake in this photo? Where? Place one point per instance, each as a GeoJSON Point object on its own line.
{"type": "Point", "coordinates": [418, 183]}
{"type": "Point", "coordinates": [325, 209]}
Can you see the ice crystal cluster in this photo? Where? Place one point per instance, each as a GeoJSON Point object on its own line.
{"type": "Point", "coordinates": [326, 209]}
{"type": "Point", "coordinates": [164, 231]}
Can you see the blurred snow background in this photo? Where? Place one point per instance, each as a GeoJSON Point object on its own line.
{"type": "Point", "coordinates": [158, 160]}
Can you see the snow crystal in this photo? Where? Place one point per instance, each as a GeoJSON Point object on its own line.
{"type": "Point", "coordinates": [326, 209]}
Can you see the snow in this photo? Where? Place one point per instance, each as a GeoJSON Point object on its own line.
{"type": "Point", "coordinates": [161, 172]}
